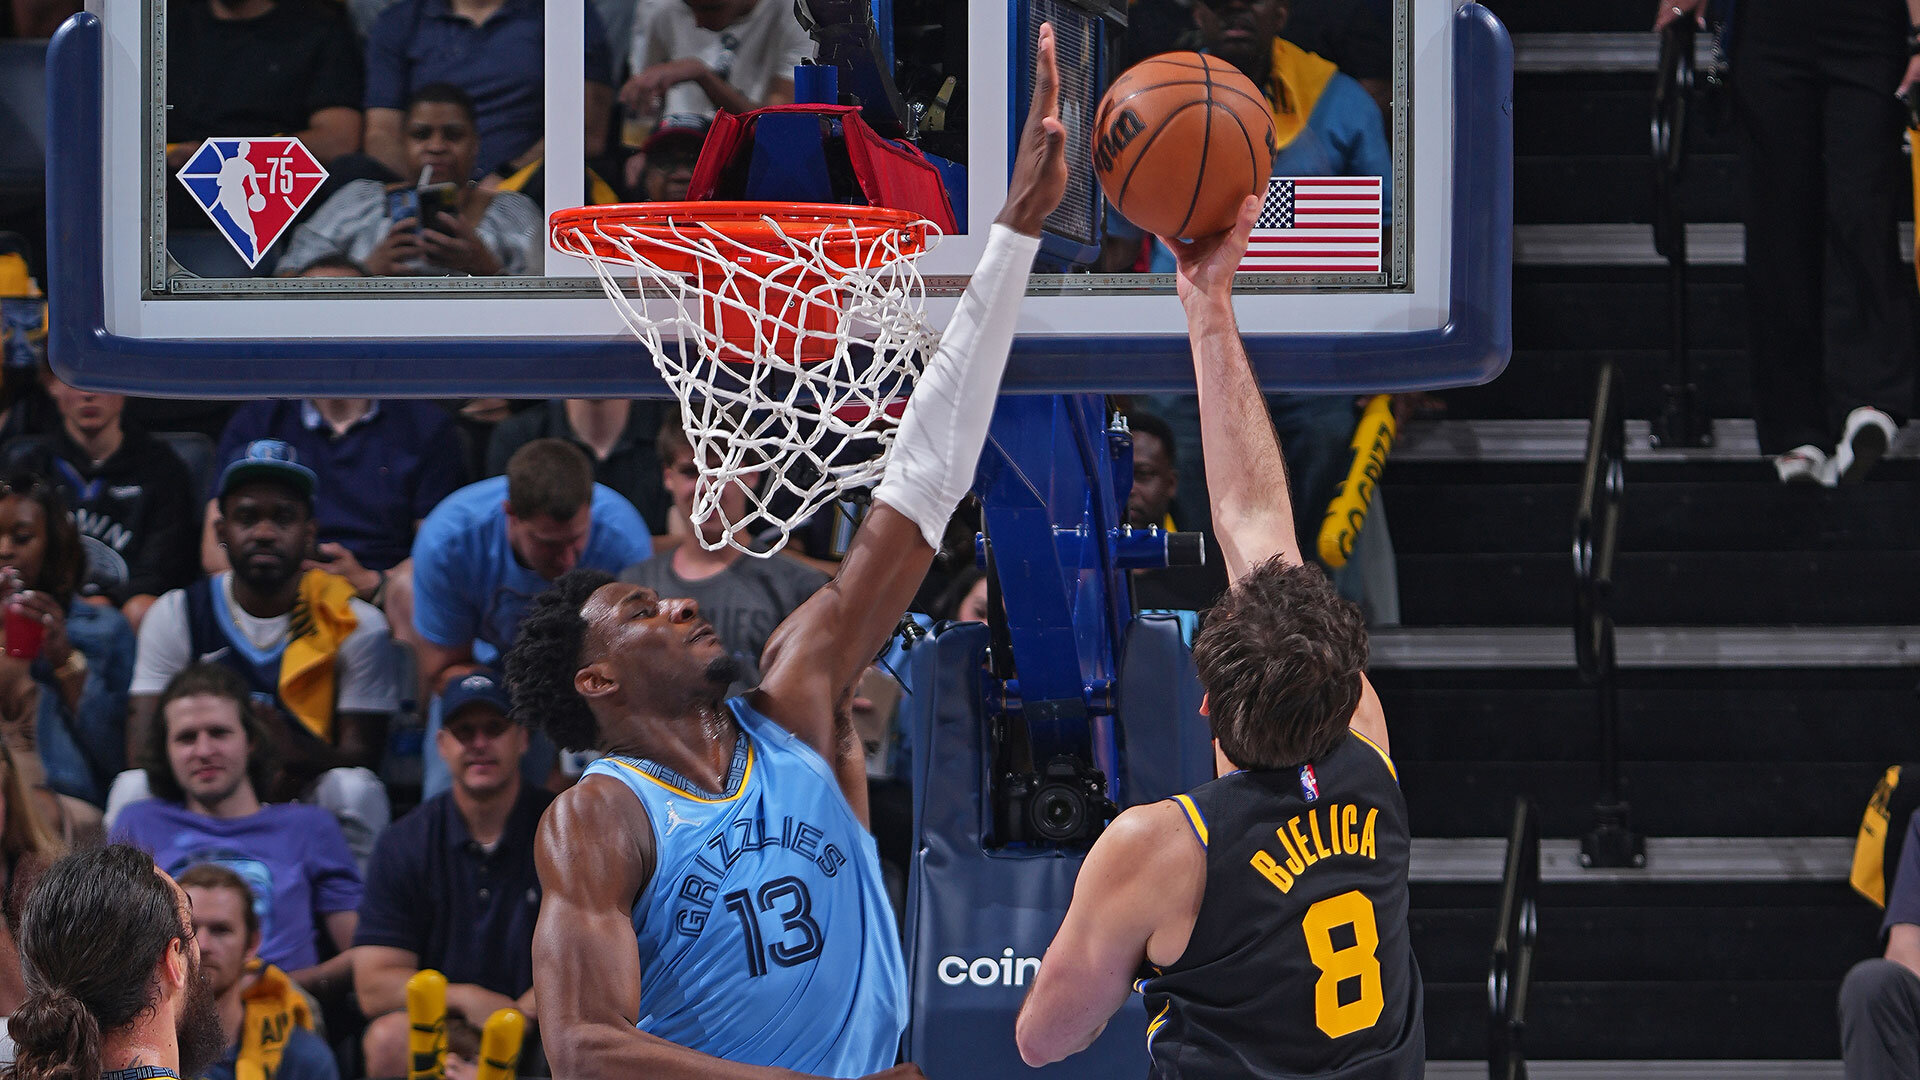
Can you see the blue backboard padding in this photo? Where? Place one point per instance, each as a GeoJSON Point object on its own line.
{"type": "Point", "coordinates": [788, 163]}
{"type": "Point", "coordinates": [1472, 348]}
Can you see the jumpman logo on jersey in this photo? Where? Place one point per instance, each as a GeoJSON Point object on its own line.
{"type": "Point", "coordinates": [674, 820]}
{"type": "Point", "coordinates": [252, 188]}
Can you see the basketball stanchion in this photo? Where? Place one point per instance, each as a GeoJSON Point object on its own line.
{"type": "Point", "coordinates": [500, 1045]}
{"type": "Point", "coordinates": [427, 1026]}
{"type": "Point", "coordinates": [1347, 513]}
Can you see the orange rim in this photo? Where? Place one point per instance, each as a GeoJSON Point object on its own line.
{"type": "Point", "coordinates": [650, 229]}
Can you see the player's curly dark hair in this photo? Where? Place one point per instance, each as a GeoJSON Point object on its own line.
{"type": "Point", "coordinates": [545, 657]}
{"type": "Point", "coordinates": [1281, 657]}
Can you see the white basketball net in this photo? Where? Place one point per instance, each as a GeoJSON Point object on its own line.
{"type": "Point", "coordinates": [813, 430]}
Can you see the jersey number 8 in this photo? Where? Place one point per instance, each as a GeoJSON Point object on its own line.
{"type": "Point", "coordinates": [1355, 961]}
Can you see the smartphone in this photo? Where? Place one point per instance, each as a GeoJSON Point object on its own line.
{"type": "Point", "coordinates": [403, 204]}
{"type": "Point", "coordinates": [434, 200]}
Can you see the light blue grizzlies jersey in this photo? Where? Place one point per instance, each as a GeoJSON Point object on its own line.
{"type": "Point", "coordinates": [765, 934]}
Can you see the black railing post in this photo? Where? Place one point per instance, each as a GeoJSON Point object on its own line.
{"type": "Point", "coordinates": [1510, 969]}
{"type": "Point", "coordinates": [1596, 530]}
{"type": "Point", "coordinates": [1683, 419]}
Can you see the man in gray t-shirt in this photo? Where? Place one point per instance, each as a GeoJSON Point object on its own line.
{"type": "Point", "coordinates": [744, 597]}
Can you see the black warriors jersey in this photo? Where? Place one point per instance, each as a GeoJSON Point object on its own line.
{"type": "Point", "coordinates": [1299, 963]}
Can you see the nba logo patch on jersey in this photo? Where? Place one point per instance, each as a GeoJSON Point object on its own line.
{"type": "Point", "coordinates": [252, 188]}
{"type": "Point", "coordinates": [1309, 784]}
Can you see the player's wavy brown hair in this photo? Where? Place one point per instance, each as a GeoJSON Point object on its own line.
{"type": "Point", "coordinates": [1281, 657]}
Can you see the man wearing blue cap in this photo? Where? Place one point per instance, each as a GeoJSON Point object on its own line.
{"type": "Point", "coordinates": [311, 652]}
{"type": "Point", "coordinates": [452, 885]}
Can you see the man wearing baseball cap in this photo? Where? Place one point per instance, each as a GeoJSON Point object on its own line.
{"type": "Point", "coordinates": [666, 160]}
{"type": "Point", "coordinates": [310, 651]}
{"type": "Point", "coordinates": [452, 885]}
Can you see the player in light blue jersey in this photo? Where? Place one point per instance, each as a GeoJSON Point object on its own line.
{"type": "Point", "coordinates": [712, 904]}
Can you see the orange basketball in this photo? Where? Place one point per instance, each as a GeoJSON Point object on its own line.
{"type": "Point", "coordinates": [1179, 141]}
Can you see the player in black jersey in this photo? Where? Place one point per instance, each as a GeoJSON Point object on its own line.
{"type": "Point", "coordinates": [1264, 914]}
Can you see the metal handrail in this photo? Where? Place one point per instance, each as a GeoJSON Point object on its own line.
{"type": "Point", "coordinates": [1596, 536]}
{"type": "Point", "coordinates": [1683, 419]}
{"type": "Point", "coordinates": [1596, 529]}
{"type": "Point", "coordinates": [1510, 969]}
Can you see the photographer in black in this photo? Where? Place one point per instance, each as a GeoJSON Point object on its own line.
{"type": "Point", "coordinates": [439, 223]}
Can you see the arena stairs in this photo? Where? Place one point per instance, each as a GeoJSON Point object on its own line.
{"type": "Point", "coordinates": [1768, 639]}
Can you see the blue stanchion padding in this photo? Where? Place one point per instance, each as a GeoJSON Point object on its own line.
{"type": "Point", "coordinates": [1165, 746]}
{"type": "Point", "coordinates": [788, 162]}
{"type": "Point", "coordinates": [978, 921]}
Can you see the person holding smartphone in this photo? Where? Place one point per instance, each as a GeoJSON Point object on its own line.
{"type": "Point", "coordinates": [436, 223]}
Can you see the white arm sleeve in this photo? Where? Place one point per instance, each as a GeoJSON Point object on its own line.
{"type": "Point", "coordinates": [945, 423]}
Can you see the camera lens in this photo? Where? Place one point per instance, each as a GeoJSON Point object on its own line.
{"type": "Point", "coordinates": [1059, 812]}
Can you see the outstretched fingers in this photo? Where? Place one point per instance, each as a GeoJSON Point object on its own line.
{"type": "Point", "coordinates": [1046, 78]}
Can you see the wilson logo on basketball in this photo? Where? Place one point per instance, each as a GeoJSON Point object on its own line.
{"type": "Point", "coordinates": [1125, 128]}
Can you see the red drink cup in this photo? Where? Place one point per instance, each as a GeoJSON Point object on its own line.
{"type": "Point", "coordinates": [25, 633]}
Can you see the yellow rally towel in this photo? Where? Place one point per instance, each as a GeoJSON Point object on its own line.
{"type": "Point", "coordinates": [273, 1008]}
{"type": "Point", "coordinates": [322, 619]}
{"type": "Point", "coordinates": [1869, 876]}
{"type": "Point", "coordinates": [1299, 78]}
{"type": "Point", "coordinates": [1913, 143]}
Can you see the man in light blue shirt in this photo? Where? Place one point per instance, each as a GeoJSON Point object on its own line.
{"type": "Point", "coordinates": [490, 547]}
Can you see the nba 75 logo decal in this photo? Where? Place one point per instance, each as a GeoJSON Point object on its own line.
{"type": "Point", "coordinates": [252, 188]}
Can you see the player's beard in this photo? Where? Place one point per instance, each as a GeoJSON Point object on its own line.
{"type": "Point", "coordinates": [722, 670]}
{"type": "Point", "coordinates": [202, 1038]}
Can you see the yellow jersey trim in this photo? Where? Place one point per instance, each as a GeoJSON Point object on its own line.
{"type": "Point", "coordinates": [1193, 818]}
{"type": "Point", "coordinates": [746, 774]}
{"type": "Point", "coordinates": [1158, 1022]}
{"type": "Point", "coordinates": [1391, 771]}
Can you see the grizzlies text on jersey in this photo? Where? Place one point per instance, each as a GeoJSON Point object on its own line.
{"type": "Point", "coordinates": [765, 934]}
{"type": "Point", "coordinates": [1299, 963]}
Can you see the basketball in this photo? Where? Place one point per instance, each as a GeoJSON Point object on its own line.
{"type": "Point", "coordinates": [1179, 141]}
{"type": "Point", "coordinates": [256, 202]}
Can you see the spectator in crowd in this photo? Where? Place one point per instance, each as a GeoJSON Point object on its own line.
{"type": "Point", "coordinates": [381, 467]}
{"type": "Point", "coordinates": [107, 943]}
{"type": "Point", "coordinates": [1829, 305]}
{"type": "Point", "coordinates": [1349, 33]}
{"type": "Point", "coordinates": [453, 226]}
{"type": "Point", "coordinates": [452, 884]}
{"type": "Point", "coordinates": [663, 168]}
{"type": "Point", "coordinates": [24, 407]}
{"type": "Point", "coordinates": [316, 656]}
{"type": "Point", "coordinates": [266, 1018]}
{"type": "Point", "coordinates": [485, 552]}
{"type": "Point", "coordinates": [129, 493]}
{"type": "Point", "coordinates": [63, 712]}
{"type": "Point", "coordinates": [34, 18]}
{"type": "Point", "coordinates": [744, 598]}
{"type": "Point", "coordinates": [26, 849]}
{"type": "Point", "coordinates": [1184, 590]}
{"type": "Point", "coordinates": [494, 50]}
{"type": "Point", "coordinates": [615, 433]}
{"type": "Point", "coordinates": [700, 56]}
{"type": "Point", "coordinates": [209, 756]}
{"type": "Point", "coordinates": [1880, 998]}
{"type": "Point", "coordinates": [965, 598]}
{"type": "Point", "coordinates": [219, 86]}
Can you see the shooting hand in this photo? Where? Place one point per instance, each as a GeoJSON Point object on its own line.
{"type": "Point", "coordinates": [1040, 166]}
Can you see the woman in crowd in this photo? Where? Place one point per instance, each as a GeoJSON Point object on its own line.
{"type": "Point", "coordinates": [63, 700]}
{"type": "Point", "coordinates": [26, 848]}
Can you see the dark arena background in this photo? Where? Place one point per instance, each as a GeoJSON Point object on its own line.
{"type": "Point", "coordinates": [335, 332]}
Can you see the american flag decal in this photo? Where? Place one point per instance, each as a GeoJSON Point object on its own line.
{"type": "Point", "coordinates": [1317, 225]}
